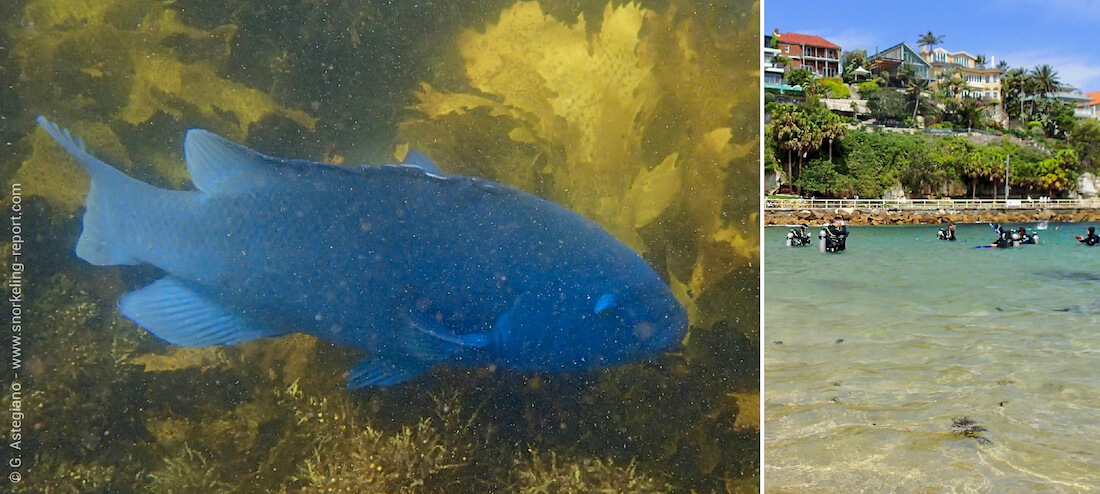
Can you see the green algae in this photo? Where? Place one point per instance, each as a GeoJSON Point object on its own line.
{"type": "Point", "coordinates": [105, 67]}
{"type": "Point", "coordinates": [629, 123]}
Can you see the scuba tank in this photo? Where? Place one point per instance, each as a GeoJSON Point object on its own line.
{"type": "Point", "coordinates": [790, 238]}
{"type": "Point", "coordinates": [821, 239]}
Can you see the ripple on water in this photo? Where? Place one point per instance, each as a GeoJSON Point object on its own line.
{"type": "Point", "coordinates": [932, 331]}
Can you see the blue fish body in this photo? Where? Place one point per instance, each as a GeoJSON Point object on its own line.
{"type": "Point", "coordinates": [413, 266]}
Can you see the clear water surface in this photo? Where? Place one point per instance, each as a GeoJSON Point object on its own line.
{"type": "Point", "coordinates": [870, 356]}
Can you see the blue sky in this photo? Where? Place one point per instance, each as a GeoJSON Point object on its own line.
{"type": "Point", "coordinates": [1025, 33]}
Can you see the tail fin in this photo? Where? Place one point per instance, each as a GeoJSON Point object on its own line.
{"type": "Point", "coordinates": [101, 242]}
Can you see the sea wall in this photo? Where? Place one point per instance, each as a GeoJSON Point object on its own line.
{"type": "Point", "coordinates": [879, 216]}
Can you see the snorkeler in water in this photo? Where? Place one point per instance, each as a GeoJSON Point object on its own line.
{"type": "Point", "coordinates": [1090, 239]}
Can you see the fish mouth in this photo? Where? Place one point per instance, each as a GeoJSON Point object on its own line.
{"type": "Point", "coordinates": [666, 333]}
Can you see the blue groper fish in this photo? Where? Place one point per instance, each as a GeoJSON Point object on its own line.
{"type": "Point", "coordinates": [415, 267]}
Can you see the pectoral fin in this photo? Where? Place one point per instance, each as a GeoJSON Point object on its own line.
{"type": "Point", "coordinates": [179, 315]}
{"type": "Point", "coordinates": [427, 339]}
{"type": "Point", "coordinates": [385, 371]}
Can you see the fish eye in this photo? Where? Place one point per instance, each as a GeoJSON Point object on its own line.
{"type": "Point", "coordinates": [605, 304]}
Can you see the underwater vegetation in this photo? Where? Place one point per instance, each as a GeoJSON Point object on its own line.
{"type": "Point", "coordinates": [649, 127]}
{"type": "Point", "coordinates": [100, 64]}
{"type": "Point", "coordinates": [630, 122]}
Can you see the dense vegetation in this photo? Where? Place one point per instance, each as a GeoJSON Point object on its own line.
{"type": "Point", "coordinates": [867, 163]}
{"type": "Point", "coordinates": [821, 153]}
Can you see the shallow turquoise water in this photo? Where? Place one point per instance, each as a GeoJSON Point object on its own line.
{"type": "Point", "coordinates": [932, 331]}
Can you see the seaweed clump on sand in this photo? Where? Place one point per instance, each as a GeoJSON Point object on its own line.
{"type": "Point", "coordinates": [966, 427]}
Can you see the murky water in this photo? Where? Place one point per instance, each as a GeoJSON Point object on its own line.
{"type": "Point", "coordinates": [871, 354]}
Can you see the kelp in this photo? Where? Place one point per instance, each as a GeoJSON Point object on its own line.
{"type": "Point", "coordinates": [630, 124]}
{"type": "Point", "coordinates": [126, 63]}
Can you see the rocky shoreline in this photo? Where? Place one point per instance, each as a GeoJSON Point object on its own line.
{"type": "Point", "coordinates": [894, 217]}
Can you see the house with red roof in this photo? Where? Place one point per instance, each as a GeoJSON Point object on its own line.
{"type": "Point", "coordinates": [1091, 109]}
{"type": "Point", "coordinates": [814, 53]}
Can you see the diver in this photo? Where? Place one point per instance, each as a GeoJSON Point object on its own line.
{"type": "Point", "coordinates": [947, 233]}
{"type": "Point", "coordinates": [1022, 237]}
{"type": "Point", "coordinates": [835, 235]}
{"type": "Point", "coordinates": [1090, 239]}
{"type": "Point", "coordinates": [798, 237]}
{"type": "Point", "coordinates": [1004, 237]}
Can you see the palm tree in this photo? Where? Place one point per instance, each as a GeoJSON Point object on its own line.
{"type": "Point", "coordinates": [1046, 79]}
{"type": "Point", "coordinates": [915, 87]}
{"type": "Point", "coordinates": [951, 82]}
{"type": "Point", "coordinates": [832, 128]}
{"type": "Point", "coordinates": [1013, 85]}
{"type": "Point", "coordinates": [1003, 65]}
{"type": "Point", "coordinates": [907, 72]}
{"type": "Point", "coordinates": [787, 123]}
{"type": "Point", "coordinates": [979, 61]}
{"type": "Point", "coordinates": [929, 40]}
{"type": "Point", "coordinates": [970, 111]}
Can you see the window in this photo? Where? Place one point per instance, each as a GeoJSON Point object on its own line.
{"type": "Point", "coordinates": [786, 48]}
{"type": "Point", "coordinates": [996, 94]}
{"type": "Point", "coordinates": [987, 79]}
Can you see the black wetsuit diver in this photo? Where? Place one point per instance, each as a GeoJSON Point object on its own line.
{"type": "Point", "coordinates": [1004, 238]}
{"type": "Point", "coordinates": [799, 237]}
{"type": "Point", "coordinates": [1090, 239]}
{"type": "Point", "coordinates": [1024, 237]}
{"type": "Point", "coordinates": [836, 235]}
{"type": "Point", "coordinates": [947, 233]}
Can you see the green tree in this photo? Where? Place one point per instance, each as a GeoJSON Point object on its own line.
{"type": "Point", "coordinates": [1085, 139]}
{"type": "Point", "coordinates": [793, 130]}
{"type": "Point", "coordinates": [975, 166]}
{"type": "Point", "coordinates": [850, 61]}
{"type": "Point", "coordinates": [887, 106]}
{"type": "Point", "coordinates": [915, 87]}
{"type": "Point", "coordinates": [969, 113]}
{"type": "Point", "coordinates": [1055, 174]}
{"type": "Point", "coordinates": [786, 121]}
{"type": "Point", "coordinates": [929, 40]}
{"type": "Point", "coordinates": [800, 77]}
{"type": "Point", "coordinates": [979, 61]}
{"type": "Point", "coordinates": [832, 127]}
{"type": "Point", "coordinates": [1046, 80]}
{"type": "Point", "coordinates": [821, 177]}
{"type": "Point", "coordinates": [1013, 86]}
{"type": "Point", "coordinates": [907, 72]}
{"type": "Point", "coordinates": [950, 82]}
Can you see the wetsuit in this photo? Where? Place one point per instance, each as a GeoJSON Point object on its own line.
{"type": "Point", "coordinates": [835, 238]}
{"type": "Point", "coordinates": [947, 234]}
{"type": "Point", "coordinates": [1091, 238]}
{"type": "Point", "coordinates": [800, 237]}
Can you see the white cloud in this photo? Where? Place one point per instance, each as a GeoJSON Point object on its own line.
{"type": "Point", "coordinates": [850, 39]}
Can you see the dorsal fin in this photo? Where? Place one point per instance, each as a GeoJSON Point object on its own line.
{"type": "Point", "coordinates": [217, 165]}
{"type": "Point", "coordinates": [422, 161]}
